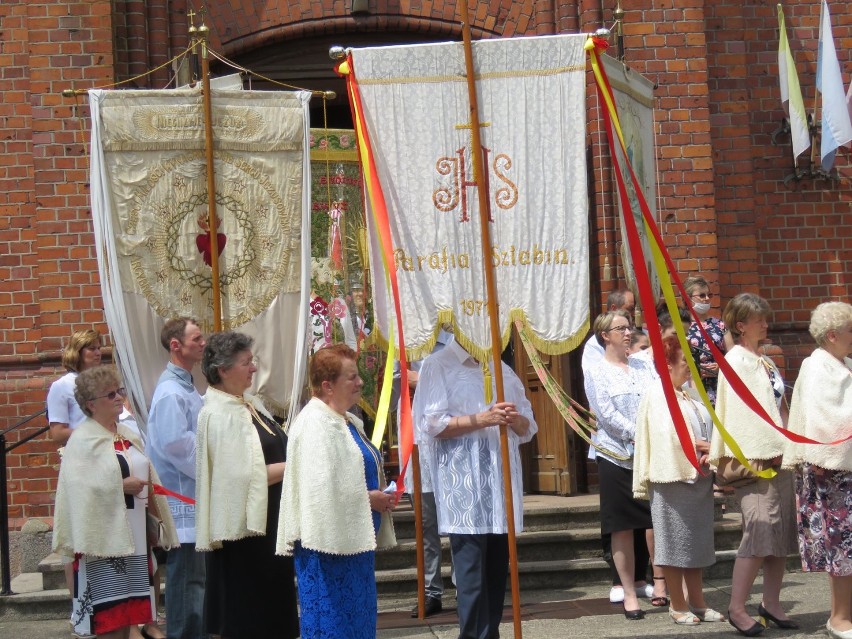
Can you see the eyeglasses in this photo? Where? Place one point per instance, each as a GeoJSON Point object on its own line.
{"type": "Point", "coordinates": [702, 296]}
{"type": "Point", "coordinates": [112, 394]}
{"type": "Point", "coordinates": [620, 329]}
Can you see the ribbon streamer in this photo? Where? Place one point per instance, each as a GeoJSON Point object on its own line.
{"type": "Point", "coordinates": [162, 490]}
{"type": "Point", "coordinates": [379, 212]}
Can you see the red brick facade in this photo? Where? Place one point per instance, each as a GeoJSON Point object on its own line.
{"type": "Point", "coordinates": [727, 211]}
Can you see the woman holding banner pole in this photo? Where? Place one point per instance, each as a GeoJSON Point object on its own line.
{"type": "Point", "coordinates": [767, 505]}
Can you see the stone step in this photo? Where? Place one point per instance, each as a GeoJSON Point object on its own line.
{"type": "Point", "coordinates": [541, 514]}
{"type": "Point", "coordinates": [544, 575]}
{"type": "Point", "coordinates": [52, 569]}
{"type": "Point", "coordinates": [546, 545]}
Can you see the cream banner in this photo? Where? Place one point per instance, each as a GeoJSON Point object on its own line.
{"type": "Point", "coordinates": [150, 209]}
{"type": "Point", "coordinates": [531, 94]}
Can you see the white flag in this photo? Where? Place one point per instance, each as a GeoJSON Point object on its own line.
{"type": "Point", "coordinates": [532, 112]}
{"type": "Point", "coordinates": [791, 92]}
{"type": "Point", "coordinates": [149, 206]}
{"type": "Point", "coordinates": [836, 122]}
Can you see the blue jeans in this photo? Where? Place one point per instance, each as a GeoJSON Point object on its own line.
{"type": "Point", "coordinates": [186, 572]}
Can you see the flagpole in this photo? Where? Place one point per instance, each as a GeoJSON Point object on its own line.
{"type": "Point", "coordinates": [211, 180]}
{"type": "Point", "coordinates": [418, 534]}
{"type": "Point", "coordinates": [493, 306]}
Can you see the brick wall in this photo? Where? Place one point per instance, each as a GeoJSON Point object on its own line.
{"type": "Point", "coordinates": [725, 207]}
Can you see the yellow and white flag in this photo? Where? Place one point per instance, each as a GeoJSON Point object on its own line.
{"type": "Point", "coordinates": [791, 92]}
{"type": "Point", "coordinates": [531, 94]}
{"type": "Point", "coordinates": [150, 212]}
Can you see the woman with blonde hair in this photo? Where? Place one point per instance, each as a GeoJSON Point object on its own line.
{"type": "Point", "coordinates": [82, 352]}
{"type": "Point", "coordinates": [615, 387]}
{"type": "Point", "coordinates": [767, 505]}
{"type": "Point", "coordinates": [821, 410]}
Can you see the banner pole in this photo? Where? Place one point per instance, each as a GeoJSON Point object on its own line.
{"type": "Point", "coordinates": [212, 219]}
{"type": "Point", "coordinates": [493, 306]}
{"type": "Point", "coordinates": [417, 496]}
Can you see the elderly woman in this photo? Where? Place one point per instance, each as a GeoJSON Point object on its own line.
{"type": "Point", "coordinates": [822, 410]}
{"type": "Point", "coordinates": [681, 499]}
{"type": "Point", "coordinates": [334, 512]}
{"type": "Point", "coordinates": [698, 292]}
{"type": "Point", "coordinates": [767, 505]}
{"type": "Point", "coordinates": [100, 518]}
{"type": "Point", "coordinates": [240, 455]}
{"type": "Point", "coordinates": [82, 352]}
{"type": "Point", "coordinates": [615, 387]}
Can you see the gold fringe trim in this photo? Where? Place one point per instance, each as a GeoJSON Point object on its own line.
{"type": "Point", "coordinates": [479, 353]}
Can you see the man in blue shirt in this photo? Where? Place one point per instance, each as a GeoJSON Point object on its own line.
{"type": "Point", "coordinates": [172, 422]}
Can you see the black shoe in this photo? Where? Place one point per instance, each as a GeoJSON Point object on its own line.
{"type": "Point", "coordinates": [432, 607]}
{"type": "Point", "coordinates": [785, 624]}
{"type": "Point", "coordinates": [753, 631]}
{"type": "Point", "coordinates": [634, 615]}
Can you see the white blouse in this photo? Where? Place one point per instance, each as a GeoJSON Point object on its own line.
{"type": "Point", "coordinates": [468, 470]}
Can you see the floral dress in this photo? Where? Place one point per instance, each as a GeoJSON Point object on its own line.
{"type": "Point", "coordinates": [825, 520]}
{"type": "Point", "coordinates": [701, 352]}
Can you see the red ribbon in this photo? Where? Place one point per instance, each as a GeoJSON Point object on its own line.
{"type": "Point", "coordinates": [162, 490]}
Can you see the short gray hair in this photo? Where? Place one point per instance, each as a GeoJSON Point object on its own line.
{"type": "Point", "coordinates": [829, 316]}
{"type": "Point", "coordinates": [221, 351]}
{"type": "Point", "coordinates": [92, 383]}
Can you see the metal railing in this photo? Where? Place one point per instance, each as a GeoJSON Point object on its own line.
{"type": "Point", "coordinates": [5, 569]}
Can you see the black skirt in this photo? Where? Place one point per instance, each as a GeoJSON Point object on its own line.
{"type": "Point", "coordinates": [619, 511]}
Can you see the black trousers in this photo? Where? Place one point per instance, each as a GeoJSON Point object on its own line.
{"type": "Point", "coordinates": [481, 565]}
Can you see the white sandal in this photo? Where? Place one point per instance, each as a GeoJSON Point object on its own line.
{"type": "Point", "coordinates": [708, 614]}
{"type": "Point", "coordinates": [685, 618]}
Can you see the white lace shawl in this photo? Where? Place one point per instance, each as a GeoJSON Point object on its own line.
{"type": "Point", "coordinates": [324, 502]}
{"type": "Point", "coordinates": [90, 517]}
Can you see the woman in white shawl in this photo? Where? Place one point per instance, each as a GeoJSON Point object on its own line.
{"type": "Point", "coordinates": [334, 513]}
{"type": "Point", "coordinates": [822, 410]}
{"type": "Point", "coordinates": [681, 499]}
{"type": "Point", "coordinates": [100, 519]}
{"type": "Point", "coordinates": [767, 505]}
{"type": "Point", "coordinates": [240, 458]}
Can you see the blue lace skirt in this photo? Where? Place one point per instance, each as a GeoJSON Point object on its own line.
{"type": "Point", "coordinates": [337, 594]}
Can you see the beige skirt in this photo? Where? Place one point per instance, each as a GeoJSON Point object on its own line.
{"type": "Point", "coordinates": [769, 517]}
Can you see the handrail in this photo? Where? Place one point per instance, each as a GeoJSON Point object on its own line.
{"type": "Point", "coordinates": [43, 411]}
{"type": "Point", "coordinates": [5, 569]}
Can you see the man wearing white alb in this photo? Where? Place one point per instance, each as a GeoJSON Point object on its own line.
{"type": "Point", "coordinates": [465, 443]}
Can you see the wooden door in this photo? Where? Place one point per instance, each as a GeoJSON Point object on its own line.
{"type": "Point", "coordinates": [548, 459]}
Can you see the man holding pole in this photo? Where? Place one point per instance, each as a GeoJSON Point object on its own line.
{"type": "Point", "coordinates": [462, 427]}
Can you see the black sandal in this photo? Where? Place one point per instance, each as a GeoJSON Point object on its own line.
{"type": "Point", "coordinates": [659, 601]}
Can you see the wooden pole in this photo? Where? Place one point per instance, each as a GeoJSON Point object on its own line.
{"type": "Point", "coordinates": [493, 307]}
{"type": "Point", "coordinates": [211, 181]}
{"type": "Point", "coordinates": [418, 533]}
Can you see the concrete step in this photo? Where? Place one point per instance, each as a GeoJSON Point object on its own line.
{"type": "Point", "coordinates": [546, 559]}
{"type": "Point", "coordinates": [52, 569]}
{"type": "Point", "coordinates": [549, 545]}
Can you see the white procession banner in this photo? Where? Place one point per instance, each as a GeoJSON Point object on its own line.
{"type": "Point", "coordinates": [149, 205]}
{"type": "Point", "coordinates": [531, 94]}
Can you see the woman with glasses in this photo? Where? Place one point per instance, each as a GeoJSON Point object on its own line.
{"type": "Point", "coordinates": [100, 518]}
{"type": "Point", "coordinates": [240, 456]}
{"type": "Point", "coordinates": [615, 387]}
{"type": "Point", "coordinates": [700, 299]}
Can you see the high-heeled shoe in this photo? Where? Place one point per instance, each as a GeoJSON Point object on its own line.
{"type": "Point", "coordinates": [766, 616]}
{"type": "Point", "coordinates": [752, 631]}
